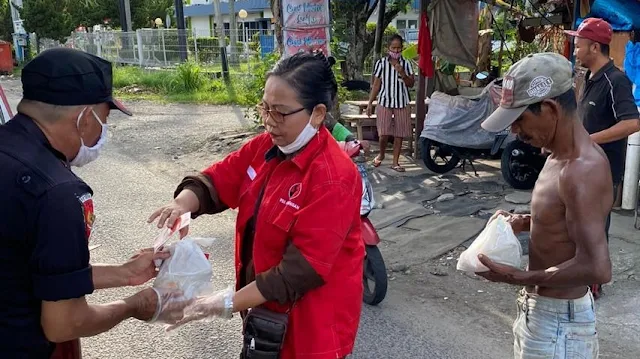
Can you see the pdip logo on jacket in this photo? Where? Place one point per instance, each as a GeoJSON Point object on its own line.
{"type": "Point", "coordinates": [294, 192]}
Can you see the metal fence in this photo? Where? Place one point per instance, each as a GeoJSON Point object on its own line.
{"type": "Point", "coordinates": [162, 47]}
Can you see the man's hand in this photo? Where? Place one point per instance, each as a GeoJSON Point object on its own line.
{"type": "Point", "coordinates": [502, 273]}
{"type": "Point", "coordinates": [158, 305]}
{"type": "Point", "coordinates": [141, 268]}
{"type": "Point", "coordinates": [519, 222]}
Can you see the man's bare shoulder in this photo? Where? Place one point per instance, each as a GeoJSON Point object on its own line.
{"type": "Point", "coordinates": [588, 175]}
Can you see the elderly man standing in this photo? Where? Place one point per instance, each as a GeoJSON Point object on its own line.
{"type": "Point", "coordinates": [568, 248]}
{"type": "Point", "coordinates": [46, 213]}
{"type": "Point", "coordinates": [607, 107]}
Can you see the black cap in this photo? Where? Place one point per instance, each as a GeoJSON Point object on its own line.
{"type": "Point", "coordinates": [68, 77]}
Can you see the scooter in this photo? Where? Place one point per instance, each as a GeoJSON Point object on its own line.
{"type": "Point", "coordinates": [374, 276]}
{"type": "Point", "coordinates": [453, 133]}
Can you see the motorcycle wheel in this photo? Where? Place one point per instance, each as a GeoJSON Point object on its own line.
{"type": "Point", "coordinates": [374, 273]}
{"type": "Point", "coordinates": [518, 175]}
{"type": "Point", "coordinates": [443, 152]}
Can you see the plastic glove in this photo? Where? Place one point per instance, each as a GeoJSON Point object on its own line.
{"type": "Point", "coordinates": [219, 304]}
{"type": "Point", "coordinates": [170, 306]}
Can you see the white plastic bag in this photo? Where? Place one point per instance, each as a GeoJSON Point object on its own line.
{"type": "Point", "coordinates": [187, 272]}
{"type": "Point", "coordinates": [498, 242]}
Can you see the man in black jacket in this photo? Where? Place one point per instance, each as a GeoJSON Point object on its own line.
{"type": "Point", "coordinates": [46, 213]}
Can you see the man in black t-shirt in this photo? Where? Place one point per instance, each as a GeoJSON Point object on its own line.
{"type": "Point", "coordinates": [607, 106]}
{"type": "Point", "coordinates": [46, 213]}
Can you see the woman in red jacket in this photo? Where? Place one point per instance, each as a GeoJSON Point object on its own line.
{"type": "Point", "coordinates": [298, 241]}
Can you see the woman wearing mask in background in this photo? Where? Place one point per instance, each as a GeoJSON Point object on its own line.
{"type": "Point", "coordinates": [299, 249]}
{"type": "Point", "coordinates": [393, 76]}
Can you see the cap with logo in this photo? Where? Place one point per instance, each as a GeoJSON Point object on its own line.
{"type": "Point", "coordinates": [528, 81]}
{"type": "Point", "coordinates": [68, 77]}
{"type": "Point", "coordinates": [594, 29]}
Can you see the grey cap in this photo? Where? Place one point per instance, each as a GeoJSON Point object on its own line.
{"type": "Point", "coordinates": [532, 79]}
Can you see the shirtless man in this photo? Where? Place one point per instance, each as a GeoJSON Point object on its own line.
{"type": "Point", "coordinates": [570, 203]}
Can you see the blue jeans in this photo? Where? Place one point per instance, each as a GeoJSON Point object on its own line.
{"type": "Point", "coordinates": [549, 328]}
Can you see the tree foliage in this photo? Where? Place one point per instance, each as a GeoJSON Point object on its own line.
{"type": "Point", "coordinates": [6, 23]}
{"type": "Point", "coordinates": [56, 19]}
{"type": "Point", "coordinates": [350, 26]}
{"type": "Point", "coordinates": [48, 19]}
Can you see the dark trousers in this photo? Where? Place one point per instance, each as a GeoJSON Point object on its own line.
{"type": "Point", "coordinates": [608, 224]}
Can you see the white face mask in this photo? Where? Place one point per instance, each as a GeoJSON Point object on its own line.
{"type": "Point", "coordinates": [89, 154]}
{"type": "Point", "coordinates": [303, 138]}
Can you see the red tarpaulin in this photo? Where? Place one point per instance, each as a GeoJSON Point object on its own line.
{"type": "Point", "coordinates": [425, 63]}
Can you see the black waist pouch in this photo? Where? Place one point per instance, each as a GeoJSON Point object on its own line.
{"type": "Point", "coordinates": [264, 332]}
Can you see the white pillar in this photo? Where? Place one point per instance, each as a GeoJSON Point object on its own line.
{"type": "Point", "coordinates": [631, 172]}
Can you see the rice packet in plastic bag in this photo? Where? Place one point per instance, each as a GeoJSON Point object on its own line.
{"type": "Point", "coordinates": [498, 242]}
{"type": "Point", "coordinates": [187, 274]}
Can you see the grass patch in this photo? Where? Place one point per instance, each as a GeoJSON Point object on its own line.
{"type": "Point", "coordinates": [192, 83]}
{"type": "Point", "coordinates": [188, 83]}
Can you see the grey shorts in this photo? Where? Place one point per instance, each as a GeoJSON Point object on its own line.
{"type": "Point", "coordinates": [549, 328]}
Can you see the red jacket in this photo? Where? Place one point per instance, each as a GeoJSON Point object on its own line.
{"type": "Point", "coordinates": [313, 200]}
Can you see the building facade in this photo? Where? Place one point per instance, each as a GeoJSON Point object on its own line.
{"type": "Point", "coordinates": [200, 16]}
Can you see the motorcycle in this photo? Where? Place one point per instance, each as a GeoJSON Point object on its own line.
{"type": "Point", "coordinates": [452, 133]}
{"type": "Point", "coordinates": [374, 275]}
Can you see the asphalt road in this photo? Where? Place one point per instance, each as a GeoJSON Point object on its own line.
{"type": "Point", "coordinates": [127, 190]}
{"type": "Point", "coordinates": [143, 161]}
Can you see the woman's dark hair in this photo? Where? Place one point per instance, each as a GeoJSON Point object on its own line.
{"type": "Point", "coordinates": [396, 37]}
{"type": "Point", "coordinates": [311, 76]}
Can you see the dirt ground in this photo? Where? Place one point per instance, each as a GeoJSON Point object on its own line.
{"type": "Point", "coordinates": [431, 310]}
{"type": "Point", "coordinates": [467, 295]}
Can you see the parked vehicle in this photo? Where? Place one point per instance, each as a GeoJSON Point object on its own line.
{"type": "Point", "coordinates": [374, 272]}
{"type": "Point", "coordinates": [453, 133]}
{"type": "Point", "coordinates": [521, 164]}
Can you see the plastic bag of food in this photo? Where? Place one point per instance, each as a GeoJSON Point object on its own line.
{"type": "Point", "coordinates": [498, 242]}
{"type": "Point", "coordinates": [187, 274]}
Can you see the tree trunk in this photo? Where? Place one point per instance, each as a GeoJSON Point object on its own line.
{"type": "Point", "coordinates": [233, 32]}
{"type": "Point", "coordinates": [219, 23]}
{"type": "Point", "coordinates": [361, 42]}
{"type": "Point", "coordinates": [276, 10]}
{"type": "Point", "coordinates": [355, 57]}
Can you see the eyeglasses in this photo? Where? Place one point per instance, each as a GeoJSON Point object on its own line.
{"type": "Point", "coordinates": [275, 115]}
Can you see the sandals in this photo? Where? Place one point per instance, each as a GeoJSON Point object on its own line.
{"type": "Point", "coordinates": [377, 162]}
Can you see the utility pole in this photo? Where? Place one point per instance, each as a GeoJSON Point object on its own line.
{"type": "Point", "coordinates": [425, 88]}
{"type": "Point", "coordinates": [127, 14]}
{"type": "Point", "coordinates": [182, 32]}
{"type": "Point", "coordinates": [221, 40]}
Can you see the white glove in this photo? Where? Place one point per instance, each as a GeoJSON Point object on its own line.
{"type": "Point", "coordinates": [219, 304]}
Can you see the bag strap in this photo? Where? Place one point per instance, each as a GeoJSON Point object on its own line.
{"type": "Point", "coordinates": [255, 220]}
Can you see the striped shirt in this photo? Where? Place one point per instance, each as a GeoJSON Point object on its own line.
{"type": "Point", "coordinates": [394, 93]}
